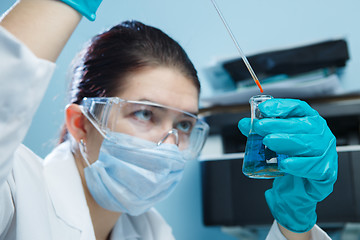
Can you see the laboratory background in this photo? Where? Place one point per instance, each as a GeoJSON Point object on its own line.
{"type": "Point", "coordinates": [258, 25]}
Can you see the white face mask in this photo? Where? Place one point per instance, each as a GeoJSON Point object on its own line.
{"type": "Point", "coordinates": [133, 175]}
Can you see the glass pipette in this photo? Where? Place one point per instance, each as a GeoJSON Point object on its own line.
{"type": "Point", "coordinates": [242, 55]}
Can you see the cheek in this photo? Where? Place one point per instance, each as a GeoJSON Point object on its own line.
{"type": "Point", "coordinates": [94, 141]}
{"type": "Point", "coordinates": [130, 127]}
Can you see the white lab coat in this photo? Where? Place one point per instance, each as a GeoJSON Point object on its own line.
{"type": "Point", "coordinates": [44, 199]}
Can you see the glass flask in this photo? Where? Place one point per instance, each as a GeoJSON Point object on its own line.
{"type": "Point", "coordinates": [259, 160]}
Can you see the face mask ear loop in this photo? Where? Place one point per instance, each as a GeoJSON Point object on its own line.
{"type": "Point", "coordinates": [82, 147]}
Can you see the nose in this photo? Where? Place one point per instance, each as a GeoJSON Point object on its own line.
{"type": "Point", "coordinates": [171, 137]}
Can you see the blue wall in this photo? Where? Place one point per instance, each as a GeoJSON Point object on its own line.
{"type": "Point", "coordinates": [259, 25]}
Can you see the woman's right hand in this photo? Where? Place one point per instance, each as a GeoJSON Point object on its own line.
{"type": "Point", "coordinates": [44, 26]}
{"type": "Point", "coordinates": [87, 8]}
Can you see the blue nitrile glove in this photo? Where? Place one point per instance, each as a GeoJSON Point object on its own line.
{"type": "Point", "coordinates": [293, 128]}
{"type": "Point", "coordinates": [86, 7]}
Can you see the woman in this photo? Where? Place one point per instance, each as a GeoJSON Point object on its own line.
{"type": "Point", "coordinates": [130, 126]}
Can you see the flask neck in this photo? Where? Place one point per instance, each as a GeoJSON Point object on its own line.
{"type": "Point", "coordinates": [254, 107]}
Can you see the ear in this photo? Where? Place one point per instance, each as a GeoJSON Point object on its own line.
{"type": "Point", "coordinates": [75, 122]}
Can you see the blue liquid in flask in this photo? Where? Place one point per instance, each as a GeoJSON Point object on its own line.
{"type": "Point", "coordinates": [260, 161]}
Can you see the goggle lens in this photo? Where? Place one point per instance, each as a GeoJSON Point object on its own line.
{"type": "Point", "coordinates": [148, 121]}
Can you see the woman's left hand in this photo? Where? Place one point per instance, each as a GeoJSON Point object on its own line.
{"type": "Point", "coordinates": [293, 128]}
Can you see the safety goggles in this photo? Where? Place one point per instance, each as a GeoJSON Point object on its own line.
{"type": "Point", "coordinates": [151, 121]}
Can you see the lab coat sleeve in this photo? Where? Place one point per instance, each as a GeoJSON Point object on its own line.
{"type": "Point", "coordinates": [316, 233]}
{"type": "Point", "coordinates": [23, 81]}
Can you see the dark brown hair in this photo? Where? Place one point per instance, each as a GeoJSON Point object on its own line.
{"type": "Point", "coordinates": [101, 67]}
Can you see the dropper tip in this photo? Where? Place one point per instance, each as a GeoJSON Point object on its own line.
{"type": "Point", "coordinates": [259, 85]}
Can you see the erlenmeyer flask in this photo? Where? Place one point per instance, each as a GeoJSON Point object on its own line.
{"type": "Point", "coordinates": [259, 160]}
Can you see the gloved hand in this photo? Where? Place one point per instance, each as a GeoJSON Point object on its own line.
{"type": "Point", "coordinates": [86, 7]}
{"type": "Point", "coordinates": [293, 128]}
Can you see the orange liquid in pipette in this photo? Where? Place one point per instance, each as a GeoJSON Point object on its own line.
{"type": "Point", "coordinates": [259, 85]}
{"type": "Point", "coordinates": [252, 73]}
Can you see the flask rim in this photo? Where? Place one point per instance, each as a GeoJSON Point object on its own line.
{"type": "Point", "coordinates": [260, 98]}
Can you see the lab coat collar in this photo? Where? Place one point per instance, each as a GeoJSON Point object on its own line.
{"type": "Point", "coordinates": [66, 191]}
{"type": "Point", "coordinates": [68, 197]}
{"type": "Point", "coordinates": [124, 229]}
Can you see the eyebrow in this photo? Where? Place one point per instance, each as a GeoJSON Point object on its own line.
{"type": "Point", "coordinates": [147, 100]}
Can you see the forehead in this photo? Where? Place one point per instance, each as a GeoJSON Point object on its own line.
{"type": "Point", "coordinates": [162, 85]}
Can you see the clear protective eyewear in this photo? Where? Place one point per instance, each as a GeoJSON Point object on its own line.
{"type": "Point", "coordinates": [151, 121]}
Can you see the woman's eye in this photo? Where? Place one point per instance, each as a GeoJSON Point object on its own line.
{"type": "Point", "coordinates": [144, 115]}
{"type": "Point", "coordinates": [184, 126]}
